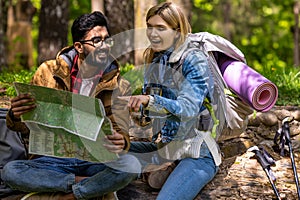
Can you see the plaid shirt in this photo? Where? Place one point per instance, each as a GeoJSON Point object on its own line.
{"type": "Point", "coordinates": [76, 80]}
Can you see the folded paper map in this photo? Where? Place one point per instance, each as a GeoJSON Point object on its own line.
{"type": "Point", "coordinates": [66, 125]}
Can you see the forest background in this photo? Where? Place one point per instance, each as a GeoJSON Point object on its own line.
{"type": "Point", "coordinates": [266, 31]}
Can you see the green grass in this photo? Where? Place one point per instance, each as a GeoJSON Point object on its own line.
{"type": "Point", "coordinates": [7, 77]}
{"type": "Point", "coordinates": [288, 84]}
{"type": "Point", "coordinates": [287, 81]}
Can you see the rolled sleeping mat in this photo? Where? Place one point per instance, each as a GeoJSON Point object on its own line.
{"type": "Point", "coordinates": [253, 88]}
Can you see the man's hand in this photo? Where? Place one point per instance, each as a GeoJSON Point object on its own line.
{"type": "Point", "coordinates": [134, 102]}
{"type": "Point", "coordinates": [21, 104]}
{"type": "Point", "coordinates": [115, 143]}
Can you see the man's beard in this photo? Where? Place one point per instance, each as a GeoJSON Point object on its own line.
{"type": "Point", "coordinates": [97, 58]}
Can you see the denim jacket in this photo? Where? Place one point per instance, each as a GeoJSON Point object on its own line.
{"type": "Point", "coordinates": [177, 106]}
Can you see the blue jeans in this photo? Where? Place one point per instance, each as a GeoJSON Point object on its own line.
{"type": "Point", "coordinates": [189, 176]}
{"type": "Point", "coordinates": [49, 174]}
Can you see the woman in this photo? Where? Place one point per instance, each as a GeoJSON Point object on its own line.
{"type": "Point", "coordinates": [175, 88]}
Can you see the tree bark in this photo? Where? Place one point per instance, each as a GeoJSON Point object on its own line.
{"type": "Point", "coordinates": [53, 29]}
{"type": "Point", "coordinates": [120, 16]}
{"type": "Point", "coordinates": [3, 26]}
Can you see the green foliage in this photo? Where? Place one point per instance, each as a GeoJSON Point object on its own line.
{"type": "Point", "coordinates": [205, 5]}
{"type": "Point", "coordinates": [7, 78]}
{"type": "Point", "coordinates": [126, 68]}
{"type": "Point", "coordinates": [262, 29]}
{"type": "Point", "coordinates": [35, 28]}
{"type": "Point", "coordinates": [276, 49]}
{"type": "Point", "coordinates": [134, 76]}
{"type": "Point", "coordinates": [79, 7]}
{"type": "Point", "coordinates": [288, 83]}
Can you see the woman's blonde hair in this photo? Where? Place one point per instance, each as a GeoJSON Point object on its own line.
{"type": "Point", "coordinates": [175, 18]}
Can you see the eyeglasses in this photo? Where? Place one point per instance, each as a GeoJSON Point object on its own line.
{"type": "Point", "coordinates": [98, 42]}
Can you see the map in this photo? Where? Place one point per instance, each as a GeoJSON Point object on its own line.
{"type": "Point", "coordinates": [66, 125]}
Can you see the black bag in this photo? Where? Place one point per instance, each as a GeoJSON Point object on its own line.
{"type": "Point", "coordinates": [12, 147]}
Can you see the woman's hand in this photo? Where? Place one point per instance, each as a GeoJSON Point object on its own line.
{"type": "Point", "coordinates": [21, 104]}
{"type": "Point", "coordinates": [115, 143]}
{"type": "Point", "coordinates": [134, 102]}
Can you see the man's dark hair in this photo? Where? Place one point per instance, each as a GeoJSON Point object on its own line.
{"type": "Point", "coordinates": [87, 22]}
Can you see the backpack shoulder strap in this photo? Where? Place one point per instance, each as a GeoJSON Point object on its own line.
{"type": "Point", "coordinates": [190, 47]}
{"type": "Point", "coordinates": [177, 66]}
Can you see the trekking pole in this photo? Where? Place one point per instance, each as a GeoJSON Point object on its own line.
{"type": "Point", "coordinates": [285, 139]}
{"type": "Point", "coordinates": [266, 161]}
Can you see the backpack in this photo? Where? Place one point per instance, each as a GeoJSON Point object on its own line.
{"type": "Point", "coordinates": [12, 147]}
{"type": "Point", "coordinates": [228, 114]}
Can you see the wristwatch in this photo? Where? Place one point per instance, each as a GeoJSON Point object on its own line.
{"type": "Point", "coordinates": [12, 116]}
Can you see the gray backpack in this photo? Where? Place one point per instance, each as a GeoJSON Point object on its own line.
{"type": "Point", "coordinates": [230, 113]}
{"type": "Point", "coordinates": [12, 147]}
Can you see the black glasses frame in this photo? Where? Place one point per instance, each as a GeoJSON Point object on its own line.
{"type": "Point", "coordinates": [108, 41]}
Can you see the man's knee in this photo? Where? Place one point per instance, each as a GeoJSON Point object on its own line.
{"type": "Point", "coordinates": [9, 171]}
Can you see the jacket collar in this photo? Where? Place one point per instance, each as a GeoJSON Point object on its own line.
{"type": "Point", "coordinates": [64, 62]}
{"type": "Point", "coordinates": [177, 53]}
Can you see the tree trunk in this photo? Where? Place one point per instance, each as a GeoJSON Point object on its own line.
{"type": "Point", "coordinates": [226, 11]}
{"type": "Point", "coordinates": [140, 9]}
{"type": "Point", "coordinates": [53, 29]}
{"type": "Point", "coordinates": [3, 26]}
{"type": "Point", "coordinates": [98, 5]}
{"type": "Point", "coordinates": [186, 6]}
{"type": "Point", "coordinates": [120, 16]}
{"type": "Point", "coordinates": [19, 39]}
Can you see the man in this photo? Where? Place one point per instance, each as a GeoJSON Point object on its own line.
{"type": "Point", "coordinates": [86, 68]}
